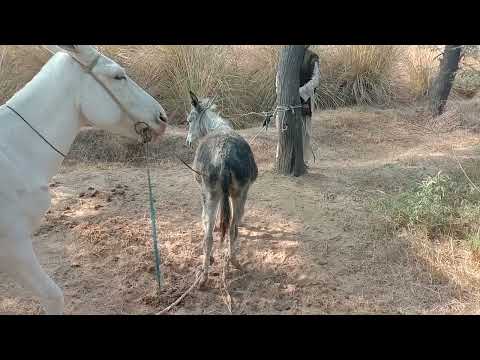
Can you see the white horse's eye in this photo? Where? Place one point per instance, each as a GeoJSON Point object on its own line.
{"type": "Point", "coordinates": [120, 77]}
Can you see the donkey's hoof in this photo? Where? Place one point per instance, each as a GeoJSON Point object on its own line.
{"type": "Point", "coordinates": [236, 264]}
{"type": "Point", "coordinates": [203, 281]}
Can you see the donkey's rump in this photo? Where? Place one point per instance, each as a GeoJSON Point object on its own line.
{"type": "Point", "coordinates": [225, 152]}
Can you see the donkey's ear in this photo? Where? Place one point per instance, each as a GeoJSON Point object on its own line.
{"type": "Point", "coordinates": [194, 98]}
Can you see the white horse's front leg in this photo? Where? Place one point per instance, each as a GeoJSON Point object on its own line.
{"type": "Point", "coordinates": [18, 259]}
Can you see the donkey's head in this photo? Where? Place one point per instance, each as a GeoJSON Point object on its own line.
{"type": "Point", "coordinates": [109, 99]}
{"type": "Point", "coordinates": [197, 120]}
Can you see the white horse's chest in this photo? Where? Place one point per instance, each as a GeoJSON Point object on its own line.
{"type": "Point", "coordinates": [23, 196]}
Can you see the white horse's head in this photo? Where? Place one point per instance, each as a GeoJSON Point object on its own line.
{"type": "Point", "coordinates": [109, 99]}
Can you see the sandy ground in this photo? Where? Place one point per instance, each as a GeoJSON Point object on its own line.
{"type": "Point", "coordinates": [311, 245]}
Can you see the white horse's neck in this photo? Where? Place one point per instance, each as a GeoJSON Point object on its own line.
{"type": "Point", "coordinates": [49, 103]}
{"type": "Point", "coordinates": [214, 122]}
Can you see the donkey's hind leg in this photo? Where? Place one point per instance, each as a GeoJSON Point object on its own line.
{"type": "Point", "coordinates": [20, 262]}
{"type": "Point", "coordinates": [211, 205]}
{"type": "Point", "coordinates": [232, 256]}
{"type": "Point", "coordinates": [241, 203]}
{"type": "Point", "coordinates": [237, 211]}
{"type": "Point", "coordinates": [205, 219]}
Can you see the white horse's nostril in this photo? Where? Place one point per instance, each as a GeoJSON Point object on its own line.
{"type": "Point", "coordinates": [163, 118]}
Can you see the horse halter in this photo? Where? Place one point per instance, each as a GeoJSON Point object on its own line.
{"type": "Point", "coordinates": [141, 127]}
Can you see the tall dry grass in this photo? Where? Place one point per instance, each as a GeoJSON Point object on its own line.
{"type": "Point", "coordinates": [359, 74]}
{"type": "Point", "coordinates": [467, 80]}
{"type": "Point", "coordinates": [18, 64]}
{"type": "Point", "coordinates": [420, 66]}
{"type": "Point", "coordinates": [243, 77]}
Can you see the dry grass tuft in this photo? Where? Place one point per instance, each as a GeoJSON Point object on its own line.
{"type": "Point", "coordinates": [18, 65]}
{"type": "Point", "coordinates": [449, 258]}
{"type": "Point", "coordinates": [467, 80]}
{"type": "Point", "coordinates": [359, 74]}
{"type": "Point", "coordinates": [241, 77]}
{"type": "Point", "coordinates": [421, 66]}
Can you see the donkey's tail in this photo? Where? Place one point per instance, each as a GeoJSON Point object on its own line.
{"type": "Point", "coordinates": [225, 213]}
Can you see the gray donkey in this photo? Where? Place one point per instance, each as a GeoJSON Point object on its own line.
{"type": "Point", "coordinates": [225, 169]}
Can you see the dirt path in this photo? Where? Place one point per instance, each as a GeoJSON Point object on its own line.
{"type": "Point", "coordinates": [311, 245]}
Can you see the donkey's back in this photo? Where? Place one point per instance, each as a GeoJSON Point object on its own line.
{"type": "Point", "coordinates": [225, 152]}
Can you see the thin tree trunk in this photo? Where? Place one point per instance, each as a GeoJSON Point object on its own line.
{"type": "Point", "coordinates": [446, 75]}
{"type": "Point", "coordinates": [290, 157]}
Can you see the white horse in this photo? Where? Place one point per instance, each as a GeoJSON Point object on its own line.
{"type": "Point", "coordinates": [78, 86]}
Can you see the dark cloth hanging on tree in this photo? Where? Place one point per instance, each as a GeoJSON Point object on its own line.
{"type": "Point", "coordinates": [306, 73]}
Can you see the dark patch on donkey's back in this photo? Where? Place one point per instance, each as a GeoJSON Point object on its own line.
{"type": "Point", "coordinates": [226, 151]}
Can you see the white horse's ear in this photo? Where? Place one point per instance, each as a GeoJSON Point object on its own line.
{"type": "Point", "coordinates": [69, 48]}
{"type": "Point", "coordinates": [83, 53]}
{"type": "Point", "coordinates": [51, 48]}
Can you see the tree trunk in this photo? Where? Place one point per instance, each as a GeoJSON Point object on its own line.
{"type": "Point", "coordinates": [446, 75]}
{"type": "Point", "coordinates": [290, 156]}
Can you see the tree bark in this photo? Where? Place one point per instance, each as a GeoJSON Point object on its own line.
{"type": "Point", "coordinates": [290, 157]}
{"type": "Point", "coordinates": [446, 75]}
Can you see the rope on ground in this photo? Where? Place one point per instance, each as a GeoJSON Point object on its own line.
{"type": "Point", "coordinates": [180, 298]}
{"type": "Point", "coordinates": [464, 172]}
{"type": "Point", "coordinates": [227, 299]}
